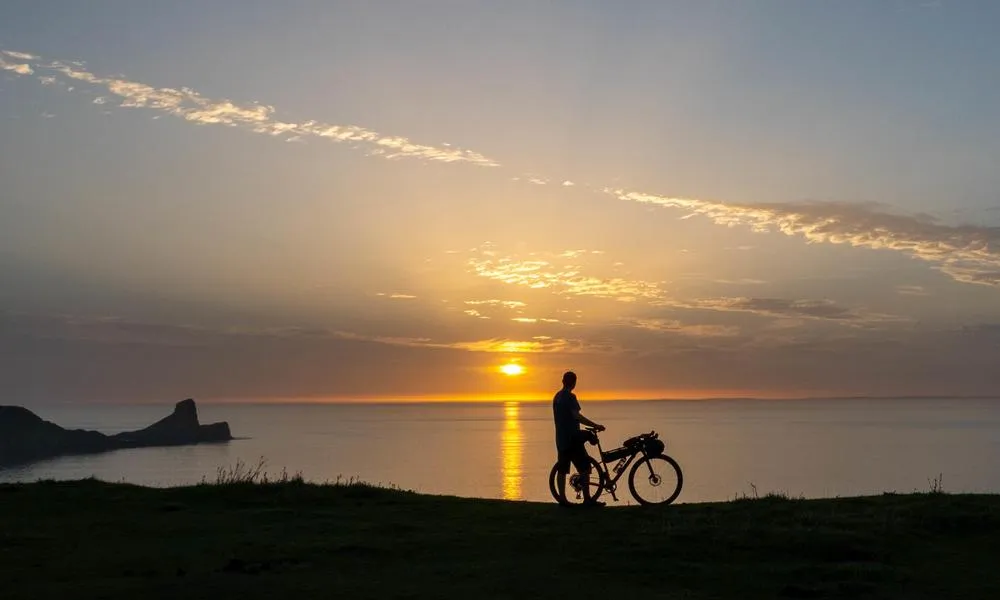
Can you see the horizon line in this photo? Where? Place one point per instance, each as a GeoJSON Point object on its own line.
{"type": "Point", "coordinates": [507, 399]}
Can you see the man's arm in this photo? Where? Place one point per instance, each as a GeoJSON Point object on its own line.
{"type": "Point", "coordinates": [585, 421]}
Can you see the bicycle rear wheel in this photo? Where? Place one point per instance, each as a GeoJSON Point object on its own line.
{"type": "Point", "coordinates": [655, 480]}
{"type": "Point", "coordinates": [574, 484]}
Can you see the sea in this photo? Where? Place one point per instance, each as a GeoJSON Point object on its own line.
{"type": "Point", "coordinates": [728, 449]}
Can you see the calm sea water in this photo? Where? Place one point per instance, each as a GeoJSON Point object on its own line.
{"type": "Point", "coordinates": [812, 448]}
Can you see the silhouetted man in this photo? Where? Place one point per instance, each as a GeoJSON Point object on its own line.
{"type": "Point", "coordinates": [570, 441]}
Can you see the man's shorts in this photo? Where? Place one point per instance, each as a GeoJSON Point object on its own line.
{"type": "Point", "coordinates": [576, 454]}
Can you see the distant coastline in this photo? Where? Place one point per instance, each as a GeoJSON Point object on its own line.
{"type": "Point", "coordinates": [25, 437]}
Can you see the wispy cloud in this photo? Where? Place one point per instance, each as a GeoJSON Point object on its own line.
{"type": "Point", "coordinates": [191, 106]}
{"type": "Point", "coordinates": [578, 253]}
{"type": "Point", "coordinates": [826, 310]}
{"type": "Point", "coordinates": [539, 273]}
{"type": "Point", "coordinates": [744, 281]}
{"type": "Point", "coordinates": [104, 330]}
{"type": "Point", "coordinates": [967, 253]}
{"type": "Point", "coordinates": [676, 327]}
{"type": "Point", "coordinates": [537, 344]}
{"type": "Point", "coordinates": [19, 55]}
{"type": "Point", "coordinates": [492, 302]}
{"type": "Point", "coordinates": [536, 320]}
{"type": "Point", "coordinates": [17, 68]}
{"type": "Point", "coordinates": [549, 272]}
{"type": "Point", "coordinates": [119, 331]}
{"type": "Point", "coordinates": [912, 290]}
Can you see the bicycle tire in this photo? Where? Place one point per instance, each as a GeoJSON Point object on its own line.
{"type": "Point", "coordinates": [670, 466]}
{"type": "Point", "coordinates": [595, 469]}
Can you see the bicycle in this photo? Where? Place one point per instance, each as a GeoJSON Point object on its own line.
{"type": "Point", "coordinates": [654, 479]}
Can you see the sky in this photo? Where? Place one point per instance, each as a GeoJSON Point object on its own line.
{"type": "Point", "coordinates": [249, 200]}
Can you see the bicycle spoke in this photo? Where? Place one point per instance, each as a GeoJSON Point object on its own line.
{"type": "Point", "coordinates": [655, 480]}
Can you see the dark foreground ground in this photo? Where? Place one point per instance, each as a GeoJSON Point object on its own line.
{"type": "Point", "coordinates": [290, 540]}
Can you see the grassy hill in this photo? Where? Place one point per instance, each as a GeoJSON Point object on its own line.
{"type": "Point", "coordinates": [283, 541]}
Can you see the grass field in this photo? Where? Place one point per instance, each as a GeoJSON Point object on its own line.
{"type": "Point", "coordinates": [282, 541]}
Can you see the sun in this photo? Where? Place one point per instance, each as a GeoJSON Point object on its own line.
{"type": "Point", "coordinates": [512, 369]}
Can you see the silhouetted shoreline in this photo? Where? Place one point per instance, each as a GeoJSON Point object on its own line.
{"type": "Point", "coordinates": [297, 540]}
{"type": "Point", "coordinates": [25, 437]}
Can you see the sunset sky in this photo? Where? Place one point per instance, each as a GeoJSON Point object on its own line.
{"type": "Point", "coordinates": [346, 200]}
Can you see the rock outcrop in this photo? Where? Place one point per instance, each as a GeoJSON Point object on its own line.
{"type": "Point", "coordinates": [26, 437]}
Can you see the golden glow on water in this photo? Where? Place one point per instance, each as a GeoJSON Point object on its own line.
{"type": "Point", "coordinates": [512, 452]}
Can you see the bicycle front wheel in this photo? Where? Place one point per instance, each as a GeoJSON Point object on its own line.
{"type": "Point", "coordinates": [655, 480]}
{"type": "Point", "coordinates": [573, 494]}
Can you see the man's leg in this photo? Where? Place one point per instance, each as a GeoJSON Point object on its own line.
{"type": "Point", "coordinates": [561, 471]}
{"type": "Point", "coordinates": [581, 460]}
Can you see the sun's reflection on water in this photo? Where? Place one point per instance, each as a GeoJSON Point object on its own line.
{"type": "Point", "coordinates": [512, 452]}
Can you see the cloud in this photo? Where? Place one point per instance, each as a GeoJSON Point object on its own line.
{"type": "Point", "coordinates": [537, 344]}
{"type": "Point", "coordinates": [85, 358]}
{"type": "Point", "coordinates": [967, 253]}
{"type": "Point", "coordinates": [743, 281]}
{"type": "Point", "coordinates": [545, 272]}
{"type": "Point", "coordinates": [492, 302]}
{"type": "Point", "coordinates": [674, 326]}
{"type": "Point", "coordinates": [107, 330]}
{"type": "Point", "coordinates": [17, 68]}
{"type": "Point", "coordinates": [20, 55]}
{"type": "Point", "coordinates": [912, 290]}
{"type": "Point", "coordinates": [566, 279]}
{"type": "Point", "coordinates": [119, 331]}
{"type": "Point", "coordinates": [826, 310]}
{"type": "Point", "coordinates": [193, 107]}
{"type": "Point", "coordinates": [579, 253]}
{"type": "Point", "coordinates": [492, 305]}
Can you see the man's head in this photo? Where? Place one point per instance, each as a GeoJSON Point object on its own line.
{"type": "Point", "coordinates": [569, 380]}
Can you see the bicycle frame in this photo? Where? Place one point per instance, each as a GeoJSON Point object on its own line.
{"type": "Point", "coordinates": [619, 468]}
